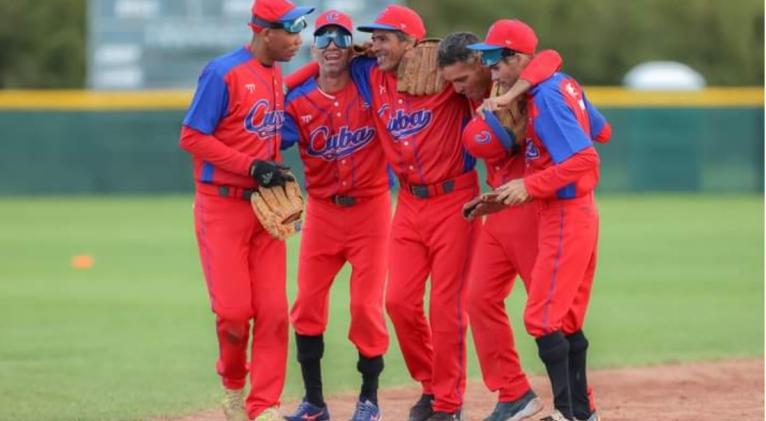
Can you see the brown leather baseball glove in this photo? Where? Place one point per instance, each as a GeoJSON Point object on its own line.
{"type": "Point", "coordinates": [279, 209]}
{"type": "Point", "coordinates": [418, 72]}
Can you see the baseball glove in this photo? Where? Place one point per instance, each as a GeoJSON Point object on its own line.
{"type": "Point", "coordinates": [513, 117]}
{"type": "Point", "coordinates": [481, 205]}
{"type": "Point", "coordinates": [418, 72]}
{"type": "Point", "coordinates": [279, 209]}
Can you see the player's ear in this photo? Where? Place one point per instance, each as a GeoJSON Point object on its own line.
{"type": "Point", "coordinates": [410, 43]}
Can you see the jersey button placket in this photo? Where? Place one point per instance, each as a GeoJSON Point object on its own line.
{"type": "Point", "coordinates": [344, 174]}
{"type": "Point", "coordinates": [407, 147]}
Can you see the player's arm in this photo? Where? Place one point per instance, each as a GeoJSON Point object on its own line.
{"type": "Point", "coordinates": [569, 146]}
{"type": "Point", "coordinates": [303, 74]}
{"type": "Point", "coordinates": [290, 133]}
{"type": "Point", "coordinates": [361, 68]}
{"type": "Point", "coordinates": [600, 129]}
{"type": "Point", "coordinates": [208, 108]}
{"type": "Point", "coordinates": [542, 66]}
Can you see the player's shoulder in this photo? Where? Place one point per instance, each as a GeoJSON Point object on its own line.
{"type": "Point", "coordinates": [225, 63]}
{"type": "Point", "coordinates": [555, 86]}
{"type": "Point", "coordinates": [301, 90]}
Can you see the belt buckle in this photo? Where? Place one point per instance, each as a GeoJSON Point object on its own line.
{"type": "Point", "coordinates": [420, 191]}
{"type": "Point", "coordinates": [344, 201]}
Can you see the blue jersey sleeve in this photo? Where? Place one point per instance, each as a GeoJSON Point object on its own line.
{"type": "Point", "coordinates": [361, 67]}
{"type": "Point", "coordinates": [557, 126]}
{"type": "Point", "coordinates": [210, 103]}
{"type": "Point", "coordinates": [290, 133]}
{"type": "Point", "coordinates": [597, 120]}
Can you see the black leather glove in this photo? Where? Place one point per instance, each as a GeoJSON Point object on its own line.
{"type": "Point", "coordinates": [269, 173]}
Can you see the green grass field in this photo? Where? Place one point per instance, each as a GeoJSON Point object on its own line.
{"type": "Point", "coordinates": [681, 278]}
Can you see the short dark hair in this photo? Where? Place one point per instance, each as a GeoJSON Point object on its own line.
{"type": "Point", "coordinates": [402, 36]}
{"type": "Point", "coordinates": [454, 48]}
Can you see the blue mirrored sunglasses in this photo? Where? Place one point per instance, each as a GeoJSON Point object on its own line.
{"type": "Point", "coordinates": [292, 26]}
{"type": "Point", "coordinates": [492, 57]}
{"type": "Point", "coordinates": [341, 38]}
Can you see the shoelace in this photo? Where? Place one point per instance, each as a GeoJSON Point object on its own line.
{"type": "Point", "coordinates": [304, 407]}
{"type": "Point", "coordinates": [364, 410]}
{"type": "Point", "coordinates": [235, 401]}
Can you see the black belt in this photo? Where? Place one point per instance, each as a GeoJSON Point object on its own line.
{"type": "Point", "coordinates": [344, 201]}
{"type": "Point", "coordinates": [425, 191]}
{"type": "Point", "coordinates": [230, 191]}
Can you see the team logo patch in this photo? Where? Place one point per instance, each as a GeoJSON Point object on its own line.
{"type": "Point", "coordinates": [332, 17]}
{"type": "Point", "coordinates": [263, 122]}
{"type": "Point", "coordinates": [532, 151]}
{"type": "Point", "coordinates": [402, 124]}
{"type": "Point", "coordinates": [575, 93]}
{"type": "Point", "coordinates": [482, 138]}
{"type": "Point", "coordinates": [330, 146]}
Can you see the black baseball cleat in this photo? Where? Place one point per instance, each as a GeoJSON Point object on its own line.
{"type": "Point", "coordinates": [447, 416]}
{"type": "Point", "coordinates": [422, 409]}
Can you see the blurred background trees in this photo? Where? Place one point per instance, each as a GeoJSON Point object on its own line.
{"type": "Point", "coordinates": [43, 43]}
{"type": "Point", "coordinates": [601, 40]}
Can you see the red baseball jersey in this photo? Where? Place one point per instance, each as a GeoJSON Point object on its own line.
{"type": "Point", "coordinates": [419, 151]}
{"type": "Point", "coordinates": [561, 160]}
{"type": "Point", "coordinates": [235, 117]}
{"type": "Point", "coordinates": [337, 139]}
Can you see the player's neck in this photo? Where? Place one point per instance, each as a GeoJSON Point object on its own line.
{"type": "Point", "coordinates": [258, 50]}
{"type": "Point", "coordinates": [331, 83]}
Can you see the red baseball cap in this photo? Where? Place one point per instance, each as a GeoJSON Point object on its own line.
{"type": "Point", "coordinates": [509, 33]}
{"type": "Point", "coordinates": [334, 17]}
{"type": "Point", "coordinates": [279, 10]}
{"type": "Point", "coordinates": [398, 18]}
{"type": "Point", "coordinates": [486, 138]}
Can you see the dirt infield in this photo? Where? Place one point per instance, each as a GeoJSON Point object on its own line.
{"type": "Point", "coordinates": [728, 390]}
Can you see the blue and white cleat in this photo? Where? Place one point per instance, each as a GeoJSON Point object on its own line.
{"type": "Point", "coordinates": [309, 412]}
{"type": "Point", "coordinates": [366, 411]}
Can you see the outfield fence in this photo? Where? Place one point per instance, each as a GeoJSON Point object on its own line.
{"type": "Point", "coordinates": [62, 142]}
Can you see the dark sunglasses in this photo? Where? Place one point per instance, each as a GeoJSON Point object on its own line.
{"type": "Point", "coordinates": [341, 38]}
{"type": "Point", "coordinates": [292, 26]}
{"type": "Point", "coordinates": [490, 58]}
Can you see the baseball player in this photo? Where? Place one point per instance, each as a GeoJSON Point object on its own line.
{"type": "Point", "coordinates": [507, 244]}
{"type": "Point", "coordinates": [232, 131]}
{"type": "Point", "coordinates": [562, 172]}
{"type": "Point", "coordinates": [421, 138]}
{"type": "Point", "coordinates": [347, 220]}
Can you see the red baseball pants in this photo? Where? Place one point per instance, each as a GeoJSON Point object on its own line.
{"type": "Point", "coordinates": [566, 263]}
{"type": "Point", "coordinates": [245, 272]}
{"type": "Point", "coordinates": [430, 236]}
{"type": "Point", "coordinates": [333, 235]}
{"type": "Point", "coordinates": [507, 247]}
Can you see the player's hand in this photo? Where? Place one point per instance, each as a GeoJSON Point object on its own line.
{"type": "Point", "coordinates": [270, 173]}
{"type": "Point", "coordinates": [513, 193]}
{"type": "Point", "coordinates": [362, 50]}
{"type": "Point", "coordinates": [505, 100]}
